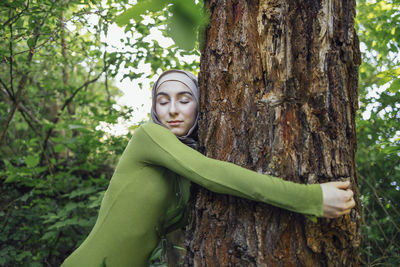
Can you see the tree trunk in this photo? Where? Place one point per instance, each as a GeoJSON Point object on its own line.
{"type": "Point", "coordinates": [65, 68]}
{"type": "Point", "coordinates": [278, 86]}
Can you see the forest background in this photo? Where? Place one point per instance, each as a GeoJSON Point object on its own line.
{"type": "Point", "coordinates": [58, 99]}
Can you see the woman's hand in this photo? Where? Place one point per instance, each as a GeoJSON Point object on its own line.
{"type": "Point", "coordinates": [337, 199]}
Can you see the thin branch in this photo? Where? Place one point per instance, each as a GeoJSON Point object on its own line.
{"type": "Point", "coordinates": [21, 85]}
{"type": "Point", "coordinates": [35, 47]}
{"type": "Point", "coordinates": [24, 111]}
{"type": "Point", "coordinates": [21, 107]}
{"type": "Point", "coordinates": [11, 56]}
{"type": "Point", "coordinates": [50, 131]}
{"type": "Point", "coordinates": [379, 202]}
{"type": "Point", "coordinates": [17, 16]}
{"type": "Point", "coordinates": [23, 80]}
{"type": "Point", "coordinates": [80, 88]}
{"type": "Point", "coordinates": [50, 38]}
{"type": "Point", "coordinates": [390, 243]}
{"type": "Point", "coordinates": [48, 162]}
{"type": "Point", "coordinates": [106, 82]}
{"type": "Point", "coordinates": [25, 114]}
{"type": "Point", "coordinates": [6, 89]}
{"type": "Point", "coordinates": [377, 224]}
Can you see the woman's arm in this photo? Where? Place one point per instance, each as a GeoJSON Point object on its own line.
{"type": "Point", "coordinates": [153, 144]}
{"type": "Point", "coordinates": [156, 145]}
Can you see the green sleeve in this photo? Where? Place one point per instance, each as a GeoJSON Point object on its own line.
{"type": "Point", "coordinates": [156, 145]}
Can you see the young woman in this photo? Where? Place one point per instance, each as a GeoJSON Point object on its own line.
{"type": "Point", "coordinates": [149, 191]}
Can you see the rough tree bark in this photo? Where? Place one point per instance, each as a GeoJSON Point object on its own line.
{"type": "Point", "coordinates": [278, 85]}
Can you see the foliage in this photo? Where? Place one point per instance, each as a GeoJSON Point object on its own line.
{"type": "Point", "coordinates": [378, 123]}
{"type": "Point", "coordinates": [184, 18]}
{"type": "Point", "coordinates": [56, 74]}
{"type": "Point", "coordinates": [55, 163]}
{"type": "Point", "coordinates": [56, 88]}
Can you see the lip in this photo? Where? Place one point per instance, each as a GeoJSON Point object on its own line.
{"type": "Point", "coordinates": [175, 123]}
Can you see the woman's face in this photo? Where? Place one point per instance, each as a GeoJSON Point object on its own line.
{"type": "Point", "coordinates": [176, 107]}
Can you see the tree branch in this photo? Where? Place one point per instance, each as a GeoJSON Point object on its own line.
{"type": "Point", "coordinates": [25, 114]}
{"type": "Point", "coordinates": [24, 78]}
{"type": "Point", "coordinates": [36, 46]}
{"type": "Point", "coordinates": [48, 162]}
{"type": "Point", "coordinates": [380, 203]}
{"type": "Point", "coordinates": [106, 82]}
{"type": "Point", "coordinates": [81, 87]}
{"type": "Point", "coordinates": [50, 131]}
{"type": "Point", "coordinates": [21, 85]}
{"type": "Point", "coordinates": [24, 111]}
{"type": "Point", "coordinates": [17, 16]}
{"type": "Point", "coordinates": [11, 56]}
{"type": "Point", "coordinates": [6, 89]}
{"type": "Point", "coordinates": [392, 241]}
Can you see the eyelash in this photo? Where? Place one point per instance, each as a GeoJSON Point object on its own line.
{"type": "Point", "coordinates": [182, 101]}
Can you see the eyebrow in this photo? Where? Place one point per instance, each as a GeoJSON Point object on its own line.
{"type": "Point", "coordinates": [179, 93]}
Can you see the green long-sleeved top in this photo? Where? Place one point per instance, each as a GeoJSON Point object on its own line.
{"type": "Point", "coordinates": [151, 185]}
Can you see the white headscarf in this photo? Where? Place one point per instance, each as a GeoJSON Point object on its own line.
{"type": "Point", "coordinates": [190, 80]}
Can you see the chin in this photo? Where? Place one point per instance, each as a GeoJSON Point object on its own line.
{"type": "Point", "coordinates": [178, 132]}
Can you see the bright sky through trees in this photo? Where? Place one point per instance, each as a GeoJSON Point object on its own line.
{"type": "Point", "coordinates": [137, 93]}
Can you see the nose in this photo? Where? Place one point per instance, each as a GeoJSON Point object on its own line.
{"type": "Point", "coordinates": [172, 108]}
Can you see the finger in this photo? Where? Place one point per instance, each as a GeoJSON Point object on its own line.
{"type": "Point", "coordinates": [342, 185]}
{"type": "Point", "coordinates": [350, 204]}
{"type": "Point", "coordinates": [351, 191]}
{"type": "Point", "coordinates": [350, 194]}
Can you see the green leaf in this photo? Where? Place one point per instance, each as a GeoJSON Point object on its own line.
{"type": "Point", "coordinates": [49, 235]}
{"type": "Point", "coordinates": [395, 86]}
{"type": "Point", "coordinates": [32, 160]}
{"type": "Point", "coordinates": [59, 148]}
{"type": "Point", "coordinates": [139, 9]}
{"type": "Point", "coordinates": [31, 43]}
{"type": "Point", "coordinates": [182, 32]}
{"type": "Point", "coordinates": [25, 197]}
{"type": "Point", "coordinates": [11, 178]}
{"type": "Point", "coordinates": [82, 192]}
{"type": "Point", "coordinates": [187, 18]}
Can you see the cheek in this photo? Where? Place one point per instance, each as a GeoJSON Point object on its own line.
{"type": "Point", "coordinates": [160, 111]}
{"type": "Point", "coordinates": [191, 111]}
